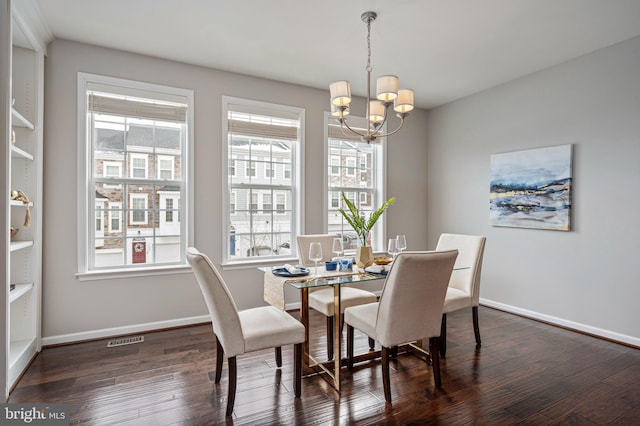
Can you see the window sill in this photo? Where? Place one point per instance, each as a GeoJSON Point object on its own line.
{"type": "Point", "coordinates": [131, 272]}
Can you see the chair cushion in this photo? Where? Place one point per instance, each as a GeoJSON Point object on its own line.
{"type": "Point", "coordinates": [363, 317]}
{"type": "Point", "coordinates": [456, 299]}
{"type": "Point", "coordinates": [322, 299]}
{"type": "Point", "coordinates": [268, 327]}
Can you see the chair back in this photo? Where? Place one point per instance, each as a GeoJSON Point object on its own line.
{"type": "Point", "coordinates": [222, 308]}
{"type": "Point", "coordinates": [412, 298]}
{"type": "Point", "coordinates": [304, 242]}
{"type": "Point", "coordinates": [470, 253]}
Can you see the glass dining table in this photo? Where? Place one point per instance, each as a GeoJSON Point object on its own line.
{"type": "Point", "coordinates": [274, 294]}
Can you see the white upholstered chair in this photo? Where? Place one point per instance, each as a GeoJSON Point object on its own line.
{"type": "Point", "coordinates": [410, 308]}
{"type": "Point", "coordinates": [464, 286]}
{"type": "Point", "coordinates": [321, 299]}
{"type": "Point", "coordinates": [238, 332]}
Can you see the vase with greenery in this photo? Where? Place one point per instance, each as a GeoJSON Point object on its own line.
{"type": "Point", "coordinates": [362, 226]}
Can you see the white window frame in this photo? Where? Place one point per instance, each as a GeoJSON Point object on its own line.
{"type": "Point", "coordinates": [86, 186]}
{"type": "Point", "coordinates": [135, 156]}
{"type": "Point", "coordinates": [133, 209]}
{"type": "Point", "coordinates": [115, 207]}
{"type": "Point", "coordinates": [297, 203]}
{"type": "Point", "coordinates": [379, 194]}
{"type": "Point", "coordinates": [171, 159]}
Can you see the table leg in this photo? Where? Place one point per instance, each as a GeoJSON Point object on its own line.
{"type": "Point", "coordinates": [304, 319]}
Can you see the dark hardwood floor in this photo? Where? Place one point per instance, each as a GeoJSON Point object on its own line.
{"type": "Point", "coordinates": [526, 373]}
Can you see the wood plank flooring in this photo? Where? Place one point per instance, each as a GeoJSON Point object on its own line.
{"type": "Point", "coordinates": [526, 373]}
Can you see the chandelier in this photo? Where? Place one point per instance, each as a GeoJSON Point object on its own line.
{"type": "Point", "coordinates": [387, 94]}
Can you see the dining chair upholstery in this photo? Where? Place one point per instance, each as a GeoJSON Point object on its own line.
{"type": "Point", "coordinates": [321, 299]}
{"type": "Point", "coordinates": [238, 332]}
{"type": "Point", "coordinates": [410, 308]}
{"type": "Point", "coordinates": [464, 286]}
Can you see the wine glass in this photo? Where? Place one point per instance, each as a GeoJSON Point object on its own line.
{"type": "Point", "coordinates": [392, 248]}
{"type": "Point", "coordinates": [338, 248]}
{"type": "Point", "coordinates": [401, 242]}
{"type": "Point", "coordinates": [315, 254]}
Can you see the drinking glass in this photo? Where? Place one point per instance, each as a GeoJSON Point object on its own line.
{"type": "Point", "coordinates": [392, 248]}
{"type": "Point", "coordinates": [315, 254]}
{"type": "Point", "coordinates": [401, 242]}
{"type": "Point", "coordinates": [338, 248]}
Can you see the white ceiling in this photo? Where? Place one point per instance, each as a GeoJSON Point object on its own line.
{"type": "Point", "coordinates": [442, 49]}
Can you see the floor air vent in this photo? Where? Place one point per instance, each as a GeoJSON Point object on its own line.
{"type": "Point", "coordinates": [125, 341]}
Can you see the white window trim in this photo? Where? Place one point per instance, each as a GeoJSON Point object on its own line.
{"type": "Point", "coordinates": [84, 189]}
{"type": "Point", "coordinates": [133, 209]}
{"type": "Point", "coordinates": [115, 206]}
{"type": "Point", "coordinates": [169, 158]}
{"type": "Point", "coordinates": [134, 156]}
{"type": "Point", "coordinates": [297, 176]}
{"type": "Point", "coordinates": [350, 166]}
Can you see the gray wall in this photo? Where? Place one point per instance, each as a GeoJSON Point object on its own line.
{"type": "Point", "coordinates": [74, 310]}
{"type": "Point", "coordinates": [588, 278]}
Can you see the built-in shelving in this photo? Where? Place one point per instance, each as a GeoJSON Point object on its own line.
{"type": "Point", "coordinates": [18, 120]}
{"type": "Point", "coordinates": [19, 290]}
{"type": "Point", "coordinates": [19, 245]}
{"type": "Point", "coordinates": [20, 153]}
{"type": "Point", "coordinates": [22, 65]}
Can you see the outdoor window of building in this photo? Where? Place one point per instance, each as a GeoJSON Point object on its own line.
{"type": "Point", "coordinates": [263, 213]}
{"type": "Point", "coordinates": [356, 169]}
{"type": "Point", "coordinates": [115, 209]}
{"type": "Point", "coordinates": [134, 147]}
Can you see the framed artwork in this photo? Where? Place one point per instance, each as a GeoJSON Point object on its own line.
{"type": "Point", "coordinates": [532, 188]}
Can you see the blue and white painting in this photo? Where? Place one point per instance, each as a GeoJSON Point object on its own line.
{"type": "Point", "coordinates": [532, 188]}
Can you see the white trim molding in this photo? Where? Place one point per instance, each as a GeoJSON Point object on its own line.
{"type": "Point", "coordinates": [561, 322]}
{"type": "Point", "coordinates": [124, 330]}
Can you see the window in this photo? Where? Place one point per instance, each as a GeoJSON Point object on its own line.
{"type": "Point", "coordinates": [115, 211]}
{"type": "Point", "coordinates": [165, 167]}
{"type": "Point", "coordinates": [265, 136]}
{"type": "Point", "coordinates": [138, 166]}
{"type": "Point", "coordinates": [134, 147]}
{"type": "Point", "coordinates": [357, 169]}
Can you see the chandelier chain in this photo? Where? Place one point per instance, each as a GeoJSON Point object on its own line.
{"type": "Point", "coordinates": [368, 46]}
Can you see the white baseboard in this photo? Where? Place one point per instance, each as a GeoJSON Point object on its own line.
{"type": "Point", "coordinates": [610, 335]}
{"type": "Point", "coordinates": [120, 331]}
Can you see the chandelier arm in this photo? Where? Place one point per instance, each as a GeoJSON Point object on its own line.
{"type": "Point", "coordinates": [395, 131]}
{"type": "Point", "coordinates": [344, 121]}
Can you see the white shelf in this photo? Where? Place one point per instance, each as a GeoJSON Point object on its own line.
{"type": "Point", "coordinates": [19, 245]}
{"type": "Point", "coordinates": [18, 120]}
{"type": "Point", "coordinates": [19, 290]}
{"type": "Point", "coordinates": [20, 153]}
{"type": "Point", "coordinates": [20, 354]}
{"type": "Point", "coordinates": [19, 203]}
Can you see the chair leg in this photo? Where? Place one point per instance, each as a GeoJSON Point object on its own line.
{"type": "Point", "coordinates": [233, 378]}
{"type": "Point", "coordinates": [385, 374]}
{"type": "Point", "coordinates": [476, 327]}
{"type": "Point", "coordinates": [435, 360]}
{"type": "Point", "coordinates": [219, 360]}
{"type": "Point", "coordinates": [278, 356]}
{"type": "Point", "coordinates": [329, 337]}
{"type": "Point", "coordinates": [372, 344]}
{"type": "Point", "coordinates": [349, 347]}
{"type": "Point", "coordinates": [297, 366]}
{"type": "Point", "coordinates": [443, 336]}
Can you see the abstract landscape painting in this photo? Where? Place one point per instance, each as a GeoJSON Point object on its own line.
{"type": "Point", "coordinates": [532, 188]}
